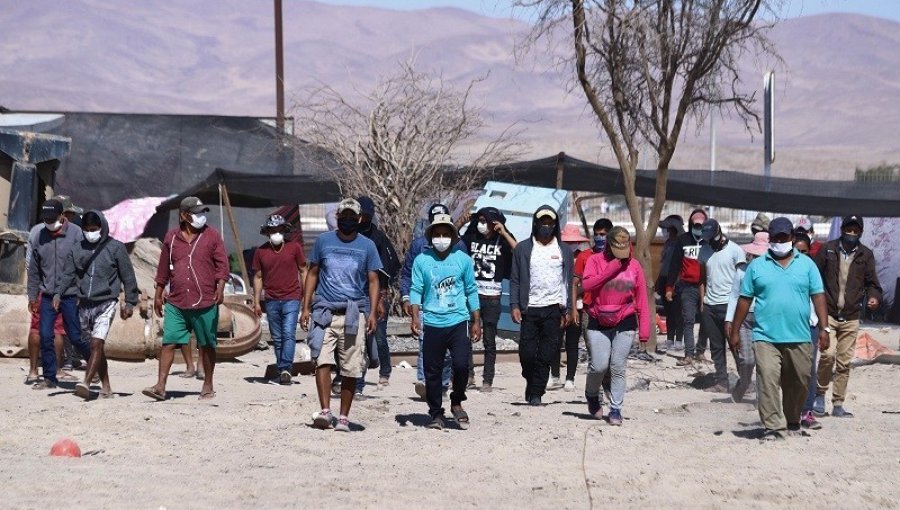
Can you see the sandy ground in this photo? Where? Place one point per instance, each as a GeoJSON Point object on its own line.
{"type": "Point", "coordinates": [252, 447]}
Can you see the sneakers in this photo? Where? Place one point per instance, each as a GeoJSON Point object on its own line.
{"type": "Point", "coordinates": [676, 346]}
{"type": "Point", "coordinates": [840, 412]}
{"type": "Point", "coordinates": [284, 378]}
{"type": "Point", "coordinates": [437, 423]}
{"type": "Point", "coordinates": [595, 407]}
{"type": "Point", "coordinates": [719, 387]}
{"type": "Point", "coordinates": [615, 417]}
{"type": "Point", "coordinates": [808, 421]}
{"type": "Point", "coordinates": [487, 387]}
{"type": "Point", "coordinates": [358, 396]}
{"type": "Point", "coordinates": [384, 381]}
{"type": "Point", "coordinates": [553, 383]}
{"type": "Point", "coordinates": [336, 389]}
{"type": "Point", "coordinates": [819, 405]}
{"type": "Point", "coordinates": [685, 362]}
{"type": "Point", "coordinates": [534, 401]}
{"type": "Point", "coordinates": [420, 389]}
{"type": "Point", "coordinates": [471, 385]}
{"type": "Point", "coordinates": [323, 420]}
{"type": "Point", "coordinates": [343, 425]}
{"type": "Point", "coordinates": [569, 386]}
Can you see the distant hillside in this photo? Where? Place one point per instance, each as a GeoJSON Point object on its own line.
{"type": "Point", "coordinates": [838, 103]}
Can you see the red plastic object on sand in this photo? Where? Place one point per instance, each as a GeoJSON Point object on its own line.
{"type": "Point", "coordinates": [65, 448]}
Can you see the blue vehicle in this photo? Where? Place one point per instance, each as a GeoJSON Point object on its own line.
{"type": "Point", "coordinates": [518, 203]}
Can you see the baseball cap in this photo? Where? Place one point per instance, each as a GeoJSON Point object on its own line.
{"type": "Point", "coordinates": [780, 225]}
{"type": "Point", "coordinates": [51, 210]}
{"type": "Point", "coordinates": [436, 209]}
{"type": "Point", "coordinates": [366, 206]}
{"type": "Point", "coordinates": [192, 205]}
{"type": "Point", "coordinates": [67, 204]}
{"type": "Point", "coordinates": [710, 229]}
{"type": "Point", "coordinates": [619, 242]}
{"type": "Point", "coordinates": [803, 224]}
{"type": "Point", "coordinates": [349, 204]}
{"type": "Point", "coordinates": [852, 220]}
{"type": "Point", "coordinates": [760, 223]}
{"type": "Point", "coordinates": [442, 219]}
{"type": "Point", "coordinates": [545, 212]}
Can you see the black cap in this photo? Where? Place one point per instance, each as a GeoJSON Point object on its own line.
{"type": "Point", "coordinates": [51, 210]}
{"type": "Point", "coordinates": [436, 209]}
{"type": "Point", "coordinates": [710, 229]}
{"type": "Point", "coordinates": [780, 225]}
{"type": "Point", "coordinates": [192, 205]}
{"type": "Point", "coordinates": [852, 220]}
{"type": "Point", "coordinates": [366, 206]}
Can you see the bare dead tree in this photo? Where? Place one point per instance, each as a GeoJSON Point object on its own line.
{"type": "Point", "coordinates": [645, 66]}
{"type": "Point", "coordinates": [398, 142]}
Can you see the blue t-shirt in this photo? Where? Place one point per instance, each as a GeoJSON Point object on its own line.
{"type": "Point", "coordinates": [445, 289]}
{"type": "Point", "coordinates": [344, 266]}
{"type": "Point", "coordinates": [782, 297]}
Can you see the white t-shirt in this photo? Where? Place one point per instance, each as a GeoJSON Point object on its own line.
{"type": "Point", "coordinates": [546, 269]}
{"type": "Point", "coordinates": [721, 268]}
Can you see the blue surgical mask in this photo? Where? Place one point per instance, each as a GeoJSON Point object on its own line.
{"type": "Point", "coordinates": [599, 242]}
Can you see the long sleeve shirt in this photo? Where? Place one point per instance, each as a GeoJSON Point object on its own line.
{"type": "Point", "coordinates": [444, 289]}
{"type": "Point", "coordinates": [193, 269]}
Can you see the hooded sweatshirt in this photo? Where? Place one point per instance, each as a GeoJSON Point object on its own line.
{"type": "Point", "coordinates": [492, 257]}
{"type": "Point", "coordinates": [100, 270]}
{"type": "Point", "coordinates": [619, 291]}
{"type": "Point", "coordinates": [685, 264]}
{"type": "Point", "coordinates": [49, 251]}
{"type": "Point", "coordinates": [520, 275]}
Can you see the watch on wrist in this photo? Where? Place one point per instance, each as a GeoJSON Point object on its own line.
{"type": "Point", "coordinates": [828, 330]}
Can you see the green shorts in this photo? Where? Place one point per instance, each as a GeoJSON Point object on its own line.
{"type": "Point", "coordinates": [178, 325]}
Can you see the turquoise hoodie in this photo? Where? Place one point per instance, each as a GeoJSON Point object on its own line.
{"type": "Point", "coordinates": [444, 289]}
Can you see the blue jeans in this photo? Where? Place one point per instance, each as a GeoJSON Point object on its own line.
{"type": "Point", "coordinates": [384, 353]}
{"type": "Point", "coordinates": [282, 316]}
{"type": "Point", "coordinates": [68, 307]}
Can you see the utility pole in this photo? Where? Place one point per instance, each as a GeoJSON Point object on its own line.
{"type": "Point", "coordinates": [279, 69]}
{"type": "Point", "coordinates": [769, 125]}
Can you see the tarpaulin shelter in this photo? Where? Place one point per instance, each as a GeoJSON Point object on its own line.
{"type": "Point", "coordinates": [719, 188]}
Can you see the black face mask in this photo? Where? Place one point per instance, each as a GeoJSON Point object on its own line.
{"type": "Point", "coordinates": [348, 226]}
{"type": "Point", "coordinates": [717, 242]}
{"type": "Point", "coordinates": [850, 240]}
{"type": "Point", "coordinates": [545, 231]}
{"type": "Point", "coordinates": [364, 227]}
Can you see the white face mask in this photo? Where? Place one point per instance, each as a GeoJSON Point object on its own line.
{"type": "Point", "coordinates": [441, 244]}
{"type": "Point", "coordinates": [482, 228]}
{"type": "Point", "coordinates": [781, 249]}
{"type": "Point", "coordinates": [276, 238]}
{"type": "Point", "coordinates": [92, 237]}
{"type": "Point", "coordinates": [198, 220]}
{"type": "Point", "coordinates": [53, 227]}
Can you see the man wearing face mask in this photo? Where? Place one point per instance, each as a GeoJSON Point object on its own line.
{"type": "Point", "coordinates": [444, 291]}
{"type": "Point", "coordinates": [491, 247]}
{"type": "Point", "coordinates": [194, 265]}
{"type": "Point", "coordinates": [805, 227]}
{"type": "Point", "coordinates": [49, 250]}
{"type": "Point", "coordinates": [279, 268]}
{"type": "Point", "coordinates": [100, 269]}
{"type": "Point", "coordinates": [339, 310]}
{"type": "Point", "coordinates": [418, 246]}
{"type": "Point", "coordinates": [851, 283]}
{"type": "Point", "coordinates": [672, 226]}
{"type": "Point", "coordinates": [782, 282]}
{"type": "Point", "coordinates": [684, 278]}
{"type": "Point", "coordinates": [390, 266]}
{"type": "Point", "coordinates": [540, 287]}
{"type": "Point", "coordinates": [720, 258]}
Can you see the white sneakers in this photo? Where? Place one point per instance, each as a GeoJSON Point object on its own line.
{"type": "Point", "coordinates": [570, 385]}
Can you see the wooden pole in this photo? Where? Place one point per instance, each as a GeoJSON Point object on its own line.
{"type": "Point", "coordinates": [560, 167]}
{"type": "Point", "coordinates": [237, 238]}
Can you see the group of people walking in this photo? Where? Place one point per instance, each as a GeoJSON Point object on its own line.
{"type": "Point", "coordinates": [768, 302]}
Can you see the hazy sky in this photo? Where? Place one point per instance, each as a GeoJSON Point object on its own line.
{"type": "Point", "coordinates": [882, 8]}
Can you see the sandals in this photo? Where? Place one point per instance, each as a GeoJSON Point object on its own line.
{"type": "Point", "coordinates": [155, 395]}
{"type": "Point", "coordinates": [437, 423]}
{"type": "Point", "coordinates": [82, 390]}
{"type": "Point", "coordinates": [32, 379]}
{"type": "Point", "coordinates": [44, 385]}
{"type": "Point", "coordinates": [462, 419]}
{"type": "Point", "coordinates": [207, 395]}
{"type": "Point", "coordinates": [188, 374]}
{"type": "Point", "coordinates": [67, 377]}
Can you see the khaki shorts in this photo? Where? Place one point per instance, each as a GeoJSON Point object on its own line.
{"type": "Point", "coordinates": [349, 350]}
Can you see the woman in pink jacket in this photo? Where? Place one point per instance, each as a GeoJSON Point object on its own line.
{"type": "Point", "coordinates": [619, 308]}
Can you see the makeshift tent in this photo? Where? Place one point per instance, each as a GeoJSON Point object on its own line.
{"type": "Point", "coordinates": [720, 188]}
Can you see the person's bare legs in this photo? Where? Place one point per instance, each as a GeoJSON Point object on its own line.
{"type": "Point", "coordinates": [166, 358]}
{"type": "Point", "coordinates": [208, 361]}
{"type": "Point", "coordinates": [97, 364]}
{"type": "Point", "coordinates": [59, 345]}
{"type": "Point", "coordinates": [190, 370]}
{"type": "Point", "coordinates": [348, 388]}
{"type": "Point", "coordinates": [323, 386]}
{"type": "Point", "coordinates": [34, 354]}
